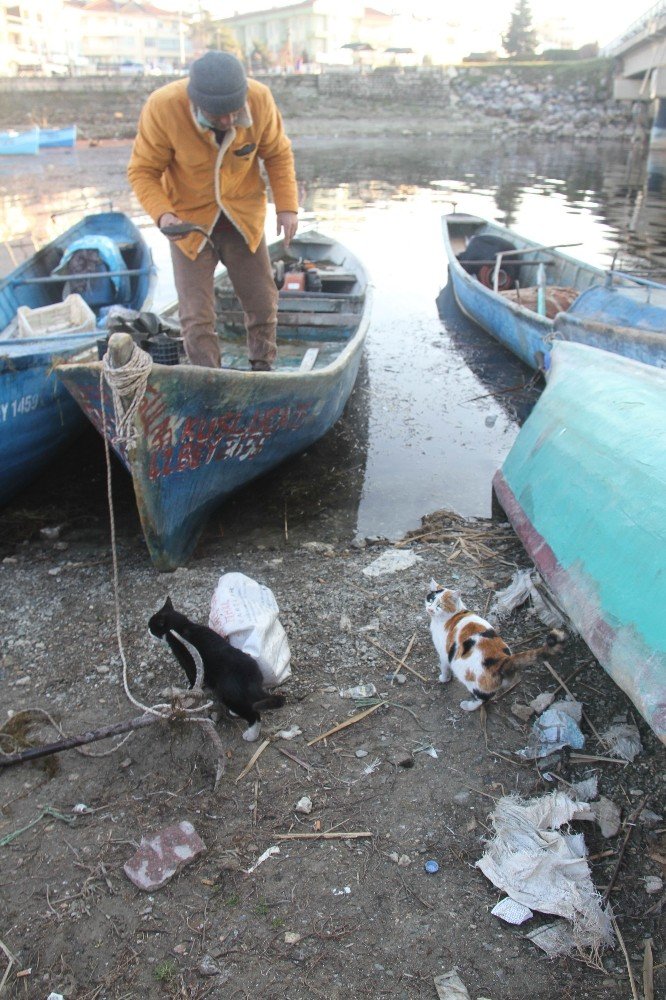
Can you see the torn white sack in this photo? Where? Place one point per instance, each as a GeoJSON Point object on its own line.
{"type": "Point", "coordinates": [544, 869]}
{"type": "Point", "coordinates": [246, 613]}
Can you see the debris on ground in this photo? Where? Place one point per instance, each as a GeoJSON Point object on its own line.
{"type": "Point", "coordinates": [608, 816]}
{"type": "Point", "coordinates": [623, 739]}
{"type": "Point", "coordinates": [246, 613]}
{"type": "Point", "coordinates": [544, 869]}
{"type": "Point", "coordinates": [359, 692]}
{"type": "Point", "coordinates": [268, 853]}
{"type": "Point", "coordinates": [526, 585]}
{"type": "Point", "coordinates": [450, 986]}
{"type": "Point", "coordinates": [161, 856]}
{"type": "Point", "coordinates": [290, 733]}
{"type": "Point", "coordinates": [511, 911]}
{"type": "Point", "coordinates": [555, 728]}
{"type": "Point", "coordinates": [391, 561]}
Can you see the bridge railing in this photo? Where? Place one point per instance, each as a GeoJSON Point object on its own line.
{"type": "Point", "coordinates": [635, 28]}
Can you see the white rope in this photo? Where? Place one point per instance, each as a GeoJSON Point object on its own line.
{"type": "Point", "coordinates": [128, 387]}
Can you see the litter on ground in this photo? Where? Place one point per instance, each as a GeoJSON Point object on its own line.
{"type": "Point", "coordinates": [544, 869]}
{"type": "Point", "coordinates": [392, 561]}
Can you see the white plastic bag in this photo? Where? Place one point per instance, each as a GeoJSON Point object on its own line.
{"type": "Point", "coordinates": [246, 613]}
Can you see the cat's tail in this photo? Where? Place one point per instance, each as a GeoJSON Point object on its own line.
{"type": "Point", "coordinates": [553, 645]}
{"type": "Point", "coordinates": [270, 701]}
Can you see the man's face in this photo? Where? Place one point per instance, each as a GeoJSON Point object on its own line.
{"type": "Point", "coordinates": [218, 121]}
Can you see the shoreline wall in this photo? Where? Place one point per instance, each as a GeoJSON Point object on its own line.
{"type": "Point", "coordinates": [558, 100]}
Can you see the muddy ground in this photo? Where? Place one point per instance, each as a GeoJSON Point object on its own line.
{"type": "Point", "coordinates": [337, 917]}
{"type": "Point", "coordinates": [331, 918]}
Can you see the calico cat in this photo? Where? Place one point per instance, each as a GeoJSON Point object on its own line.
{"type": "Point", "coordinates": [232, 675]}
{"type": "Point", "coordinates": [470, 648]}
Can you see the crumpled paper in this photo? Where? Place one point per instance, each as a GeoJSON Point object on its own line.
{"type": "Point", "coordinates": [555, 728]}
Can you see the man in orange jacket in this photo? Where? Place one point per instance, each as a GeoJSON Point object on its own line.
{"type": "Point", "coordinates": [196, 159]}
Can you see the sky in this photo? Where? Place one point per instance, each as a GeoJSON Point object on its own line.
{"type": "Point", "coordinates": [593, 20]}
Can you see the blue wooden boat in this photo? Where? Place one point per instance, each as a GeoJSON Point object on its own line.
{"type": "Point", "coordinates": [584, 486]}
{"type": "Point", "coordinates": [50, 137]}
{"type": "Point", "coordinates": [13, 143]}
{"type": "Point", "coordinates": [37, 414]}
{"type": "Point", "coordinates": [531, 297]}
{"type": "Point", "coordinates": [202, 433]}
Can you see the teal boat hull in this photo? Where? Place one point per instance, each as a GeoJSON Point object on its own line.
{"type": "Point", "coordinates": [584, 487]}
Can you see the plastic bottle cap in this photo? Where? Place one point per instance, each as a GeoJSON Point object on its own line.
{"type": "Point", "coordinates": [431, 867]}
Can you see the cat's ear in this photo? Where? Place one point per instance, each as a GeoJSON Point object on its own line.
{"type": "Point", "coordinates": [455, 594]}
{"type": "Point", "coordinates": [433, 584]}
{"type": "Point", "coordinates": [167, 604]}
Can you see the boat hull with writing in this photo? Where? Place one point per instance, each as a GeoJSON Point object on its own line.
{"type": "Point", "coordinates": [203, 433]}
{"type": "Point", "coordinates": [584, 486]}
{"type": "Point", "coordinates": [37, 415]}
{"type": "Point", "coordinates": [610, 310]}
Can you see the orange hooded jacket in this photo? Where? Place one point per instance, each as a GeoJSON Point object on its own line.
{"type": "Point", "coordinates": [176, 166]}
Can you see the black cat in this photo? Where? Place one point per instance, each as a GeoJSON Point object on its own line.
{"type": "Point", "coordinates": [232, 675]}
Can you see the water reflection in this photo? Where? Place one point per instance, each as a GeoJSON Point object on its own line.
{"type": "Point", "coordinates": [431, 418]}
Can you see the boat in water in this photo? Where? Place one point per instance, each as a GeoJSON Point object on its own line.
{"type": "Point", "coordinates": [196, 435]}
{"type": "Point", "coordinates": [15, 143]}
{"type": "Point", "coordinates": [528, 296]}
{"type": "Point", "coordinates": [49, 313]}
{"type": "Point", "coordinates": [64, 136]}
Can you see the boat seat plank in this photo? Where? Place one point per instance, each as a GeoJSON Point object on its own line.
{"type": "Point", "coordinates": [309, 359]}
{"type": "Point", "coordinates": [298, 302]}
{"type": "Point", "coordinates": [236, 318]}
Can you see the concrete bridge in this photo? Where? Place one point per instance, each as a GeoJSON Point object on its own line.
{"type": "Point", "coordinates": [640, 73]}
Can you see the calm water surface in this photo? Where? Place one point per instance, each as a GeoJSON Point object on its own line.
{"type": "Point", "coordinates": [438, 404]}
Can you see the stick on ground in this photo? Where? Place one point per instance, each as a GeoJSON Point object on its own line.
{"type": "Point", "coordinates": [349, 722]}
{"type": "Point", "coordinates": [92, 736]}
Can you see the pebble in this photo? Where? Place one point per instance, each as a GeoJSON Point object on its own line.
{"type": "Point", "coordinates": [208, 967]}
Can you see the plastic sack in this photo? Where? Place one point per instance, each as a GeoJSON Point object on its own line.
{"type": "Point", "coordinates": [246, 613]}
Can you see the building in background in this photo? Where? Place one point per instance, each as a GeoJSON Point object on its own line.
{"type": "Point", "coordinates": [68, 36]}
{"type": "Point", "coordinates": [314, 34]}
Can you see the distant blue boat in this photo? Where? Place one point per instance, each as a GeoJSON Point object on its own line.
{"type": "Point", "coordinates": [202, 433]}
{"type": "Point", "coordinates": [14, 143]}
{"type": "Point", "coordinates": [584, 486]}
{"type": "Point", "coordinates": [50, 137]}
{"type": "Point", "coordinates": [531, 295]}
{"type": "Point", "coordinates": [37, 414]}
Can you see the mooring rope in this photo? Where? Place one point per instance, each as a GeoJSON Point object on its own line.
{"type": "Point", "coordinates": [128, 387]}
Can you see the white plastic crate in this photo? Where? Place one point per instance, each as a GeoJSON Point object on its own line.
{"type": "Point", "coordinates": [74, 315]}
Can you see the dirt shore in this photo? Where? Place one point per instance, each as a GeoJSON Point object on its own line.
{"type": "Point", "coordinates": [340, 917]}
{"type": "Point", "coordinates": [416, 779]}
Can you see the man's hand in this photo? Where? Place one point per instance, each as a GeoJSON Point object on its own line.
{"type": "Point", "coordinates": [287, 222]}
{"type": "Point", "coordinates": [169, 219]}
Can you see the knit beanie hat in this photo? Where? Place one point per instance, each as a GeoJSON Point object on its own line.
{"type": "Point", "coordinates": [217, 83]}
